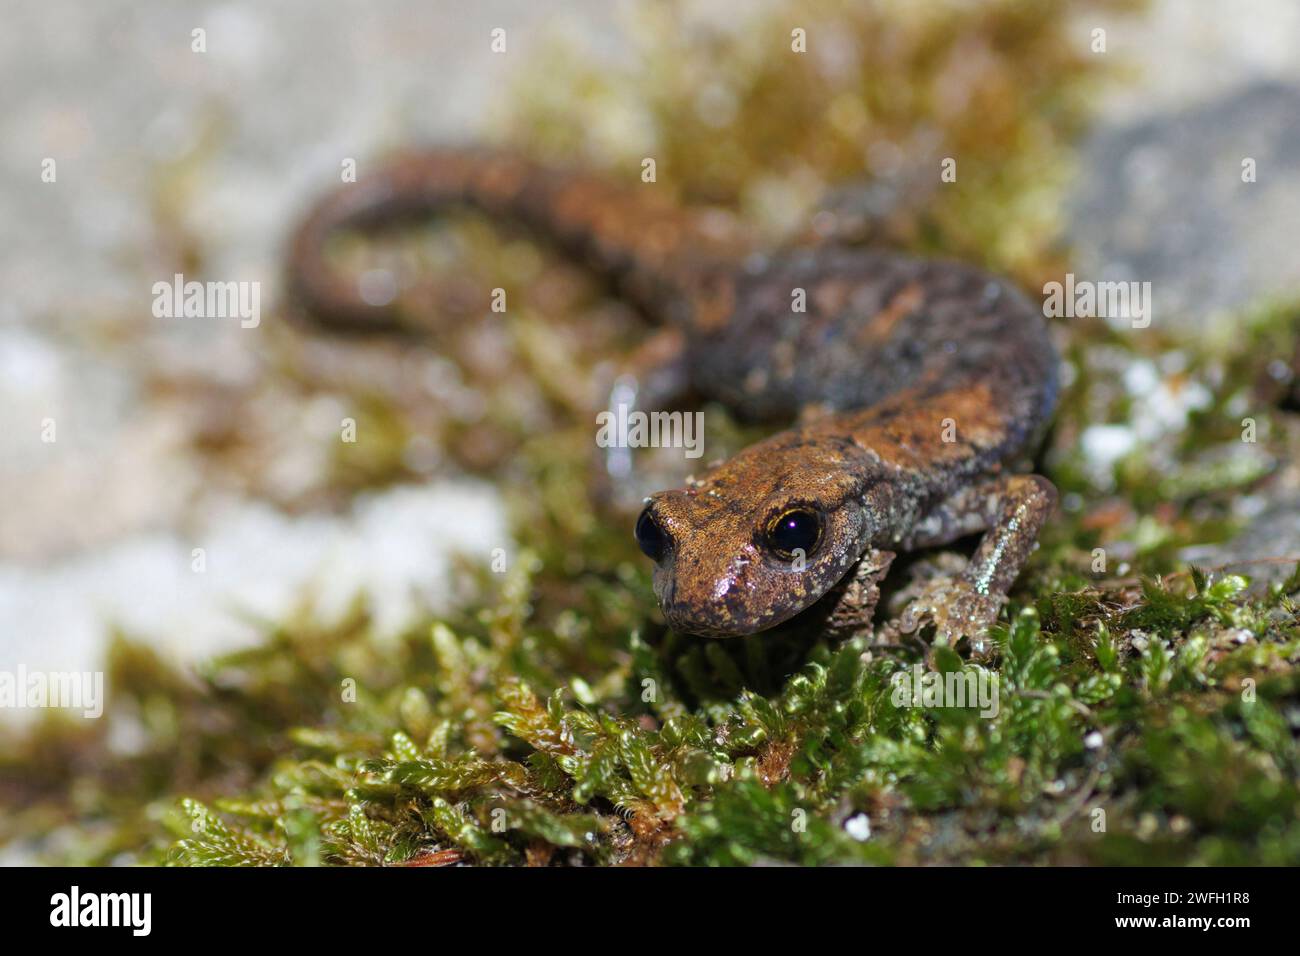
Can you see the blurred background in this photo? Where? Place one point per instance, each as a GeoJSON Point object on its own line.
{"type": "Point", "coordinates": [178, 434]}
{"type": "Point", "coordinates": [171, 161]}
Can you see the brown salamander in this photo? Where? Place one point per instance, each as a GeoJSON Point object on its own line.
{"type": "Point", "coordinates": [916, 387]}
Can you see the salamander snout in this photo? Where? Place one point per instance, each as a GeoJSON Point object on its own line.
{"type": "Point", "coordinates": [723, 570]}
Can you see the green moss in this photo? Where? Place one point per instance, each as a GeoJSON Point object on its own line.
{"type": "Point", "coordinates": [443, 757]}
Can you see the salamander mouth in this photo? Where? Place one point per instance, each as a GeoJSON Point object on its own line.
{"type": "Point", "coordinates": [697, 629]}
{"type": "Point", "coordinates": [819, 617]}
{"type": "Point", "coordinates": [721, 623]}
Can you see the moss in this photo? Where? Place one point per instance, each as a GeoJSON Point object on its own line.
{"type": "Point", "coordinates": [735, 118]}
{"type": "Point", "coordinates": [442, 758]}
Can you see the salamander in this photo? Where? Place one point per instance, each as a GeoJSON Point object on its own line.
{"type": "Point", "coordinates": [908, 393]}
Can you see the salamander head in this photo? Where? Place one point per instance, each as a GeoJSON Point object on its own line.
{"type": "Point", "coordinates": [761, 538]}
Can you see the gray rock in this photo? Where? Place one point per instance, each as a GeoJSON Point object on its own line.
{"type": "Point", "coordinates": [1163, 200]}
{"type": "Point", "coordinates": [1262, 548]}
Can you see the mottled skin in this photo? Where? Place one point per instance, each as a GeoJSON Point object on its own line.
{"type": "Point", "coordinates": [917, 387]}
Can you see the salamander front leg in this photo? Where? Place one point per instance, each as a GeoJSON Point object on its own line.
{"type": "Point", "coordinates": [1011, 511]}
{"type": "Point", "coordinates": [855, 599]}
{"type": "Point", "coordinates": [847, 609]}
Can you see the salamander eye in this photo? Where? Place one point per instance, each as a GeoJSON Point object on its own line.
{"type": "Point", "coordinates": [650, 537]}
{"type": "Point", "coordinates": [799, 529]}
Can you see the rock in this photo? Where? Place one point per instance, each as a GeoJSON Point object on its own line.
{"type": "Point", "coordinates": [1260, 549]}
{"type": "Point", "coordinates": [1163, 201]}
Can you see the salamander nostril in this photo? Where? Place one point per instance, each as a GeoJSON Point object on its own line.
{"type": "Point", "coordinates": [650, 537]}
